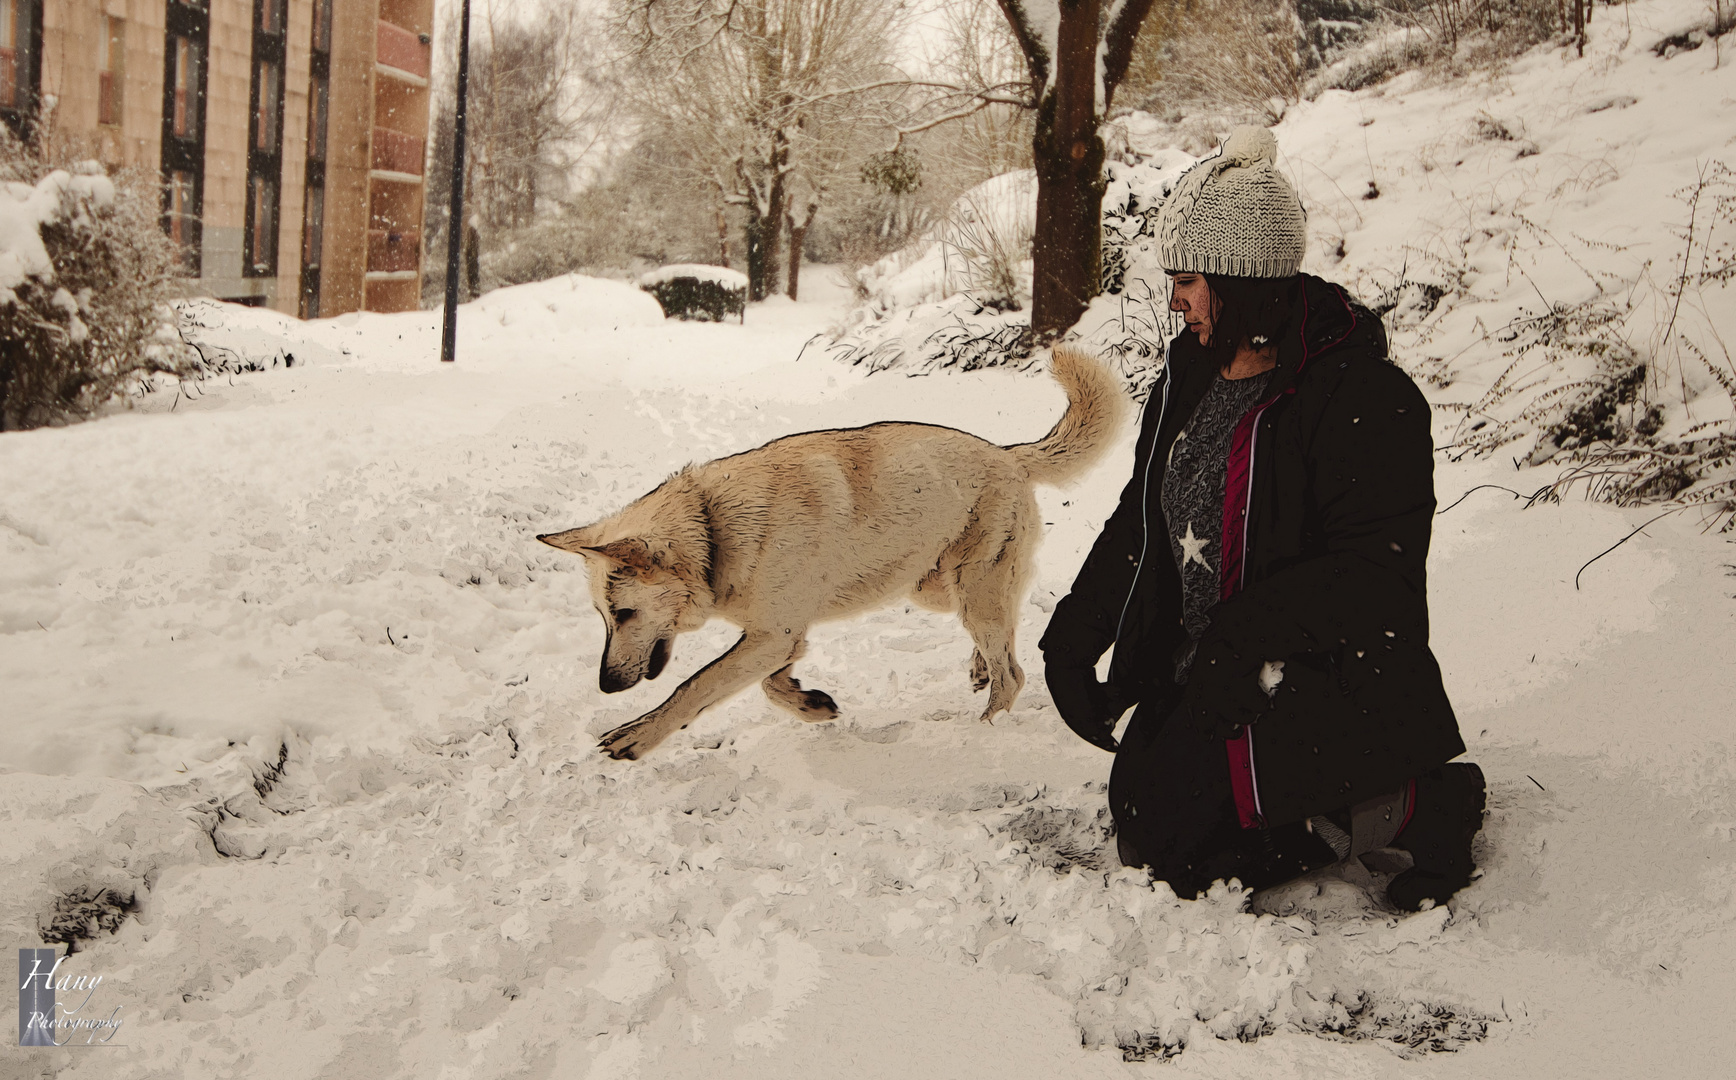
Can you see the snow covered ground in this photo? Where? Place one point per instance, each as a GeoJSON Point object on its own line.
{"type": "Point", "coordinates": [295, 702]}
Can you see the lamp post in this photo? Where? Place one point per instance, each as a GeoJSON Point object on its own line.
{"type": "Point", "coordinates": [455, 216]}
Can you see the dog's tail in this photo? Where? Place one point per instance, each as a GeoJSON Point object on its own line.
{"type": "Point", "coordinates": [1095, 406]}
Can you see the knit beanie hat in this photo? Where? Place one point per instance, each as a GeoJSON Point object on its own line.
{"type": "Point", "coordinates": [1234, 214]}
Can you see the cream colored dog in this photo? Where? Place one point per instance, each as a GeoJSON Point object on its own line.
{"type": "Point", "coordinates": [821, 526]}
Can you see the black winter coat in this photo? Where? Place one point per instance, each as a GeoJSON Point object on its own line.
{"type": "Point", "coordinates": [1328, 508]}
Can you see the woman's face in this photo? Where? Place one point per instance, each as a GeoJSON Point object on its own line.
{"type": "Point", "coordinates": [1190, 295]}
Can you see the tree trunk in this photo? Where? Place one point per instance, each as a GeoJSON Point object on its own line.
{"type": "Point", "coordinates": [472, 263]}
{"type": "Point", "coordinates": [764, 233]}
{"type": "Point", "coordinates": [798, 234]}
{"type": "Point", "coordinates": [722, 239]}
{"type": "Point", "coordinates": [753, 236]}
{"type": "Point", "coordinates": [764, 229]}
{"type": "Point", "coordinates": [774, 234]}
{"type": "Point", "coordinates": [773, 226]}
{"type": "Point", "coordinates": [1067, 249]}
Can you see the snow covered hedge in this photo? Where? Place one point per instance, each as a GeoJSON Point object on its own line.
{"type": "Point", "coordinates": [695, 291]}
{"type": "Point", "coordinates": [84, 275]}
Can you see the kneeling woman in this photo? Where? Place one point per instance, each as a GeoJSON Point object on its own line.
{"type": "Point", "coordinates": [1262, 580]}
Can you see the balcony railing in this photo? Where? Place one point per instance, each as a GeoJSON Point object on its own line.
{"type": "Point", "coordinates": [396, 152]}
{"type": "Point", "coordinates": [401, 49]}
{"type": "Point", "coordinates": [391, 252]}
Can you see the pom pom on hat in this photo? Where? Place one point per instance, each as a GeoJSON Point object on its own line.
{"type": "Point", "coordinates": [1234, 213]}
{"type": "Point", "coordinates": [1249, 145]}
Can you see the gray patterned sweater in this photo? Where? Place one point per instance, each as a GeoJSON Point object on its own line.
{"type": "Point", "coordinates": [1193, 501]}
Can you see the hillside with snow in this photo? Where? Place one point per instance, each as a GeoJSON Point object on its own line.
{"type": "Point", "coordinates": [300, 720]}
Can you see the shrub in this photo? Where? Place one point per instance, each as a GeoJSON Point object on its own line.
{"type": "Point", "coordinates": [698, 292]}
{"type": "Point", "coordinates": [87, 274]}
{"type": "Point", "coordinates": [1242, 57]}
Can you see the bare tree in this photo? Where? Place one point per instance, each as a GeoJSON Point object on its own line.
{"type": "Point", "coordinates": [540, 112]}
{"type": "Point", "coordinates": [976, 50]}
{"type": "Point", "coordinates": [538, 107]}
{"type": "Point", "coordinates": [761, 95]}
{"type": "Point", "coordinates": [1076, 52]}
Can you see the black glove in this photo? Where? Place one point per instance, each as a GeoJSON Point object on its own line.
{"type": "Point", "coordinates": [1090, 708]}
{"type": "Point", "coordinates": [1223, 692]}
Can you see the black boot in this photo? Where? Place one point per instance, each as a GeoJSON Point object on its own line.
{"type": "Point", "coordinates": [1262, 858]}
{"type": "Point", "coordinates": [1448, 814]}
{"type": "Point", "coordinates": [1293, 850]}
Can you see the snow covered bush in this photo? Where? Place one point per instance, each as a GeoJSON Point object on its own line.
{"type": "Point", "coordinates": [1234, 53]}
{"type": "Point", "coordinates": [1400, 35]}
{"type": "Point", "coordinates": [691, 291]}
{"type": "Point", "coordinates": [1631, 414]}
{"type": "Point", "coordinates": [957, 298]}
{"type": "Point", "coordinates": [980, 245]}
{"type": "Point", "coordinates": [85, 273]}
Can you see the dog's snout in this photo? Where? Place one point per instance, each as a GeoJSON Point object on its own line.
{"type": "Point", "coordinates": [613, 682]}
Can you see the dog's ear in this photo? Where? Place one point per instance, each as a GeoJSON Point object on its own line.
{"type": "Point", "coordinates": [577, 541]}
{"type": "Point", "coordinates": [631, 553]}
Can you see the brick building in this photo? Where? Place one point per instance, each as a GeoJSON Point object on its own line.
{"type": "Point", "coordinates": [287, 135]}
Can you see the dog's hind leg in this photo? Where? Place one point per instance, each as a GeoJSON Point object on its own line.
{"type": "Point", "coordinates": [785, 691]}
{"type": "Point", "coordinates": [939, 591]}
{"type": "Point", "coordinates": [990, 586]}
{"type": "Point", "coordinates": [988, 626]}
{"type": "Point", "coordinates": [988, 618]}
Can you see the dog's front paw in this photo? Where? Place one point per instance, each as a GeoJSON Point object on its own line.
{"type": "Point", "coordinates": [628, 741]}
{"type": "Point", "coordinates": [817, 705]}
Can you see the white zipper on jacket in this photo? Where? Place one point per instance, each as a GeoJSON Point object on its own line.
{"type": "Point", "coordinates": [1242, 581]}
{"type": "Point", "coordinates": [1145, 498]}
{"type": "Point", "coordinates": [1248, 499]}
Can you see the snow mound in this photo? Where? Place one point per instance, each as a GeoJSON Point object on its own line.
{"type": "Point", "coordinates": [982, 245]}
{"type": "Point", "coordinates": [235, 338]}
{"type": "Point", "coordinates": [493, 328]}
{"type": "Point", "coordinates": [1542, 242]}
{"type": "Point", "coordinates": [84, 852]}
{"type": "Point", "coordinates": [690, 895]}
{"type": "Point", "coordinates": [567, 303]}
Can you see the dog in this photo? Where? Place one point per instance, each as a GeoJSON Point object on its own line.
{"type": "Point", "coordinates": [823, 525]}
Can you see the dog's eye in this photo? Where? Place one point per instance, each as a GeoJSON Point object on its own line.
{"type": "Point", "coordinates": [623, 614]}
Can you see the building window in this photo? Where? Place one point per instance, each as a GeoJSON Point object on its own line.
{"type": "Point", "coordinates": [182, 217]}
{"type": "Point", "coordinates": [318, 114]}
{"type": "Point", "coordinates": [184, 72]}
{"type": "Point", "coordinates": [20, 62]}
{"type": "Point", "coordinates": [9, 53]}
{"type": "Point", "coordinates": [262, 224]}
{"type": "Point", "coordinates": [312, 238]}
{"type": "Point", "coordinates": [265, 140]}
{"type": "Point", "coordinates": [268, 107]}
{"type": "Point", "coordinates": [319, 109]}
{"type": "Point", "coordinates": [111, 70]}
{"type": "Point", "coordinates": [188, 86]}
